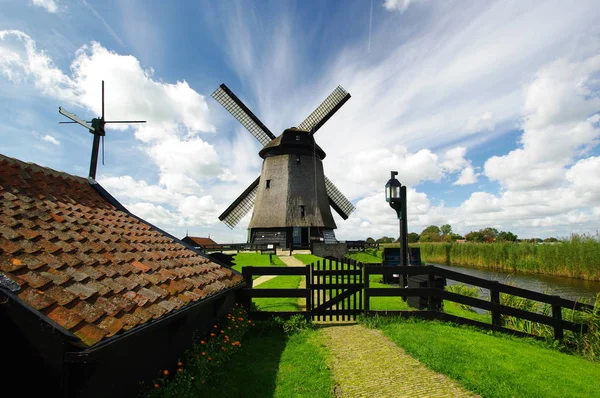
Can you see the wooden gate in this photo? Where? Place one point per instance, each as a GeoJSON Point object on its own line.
{"type": "Point", "coordinates": [336, 290]}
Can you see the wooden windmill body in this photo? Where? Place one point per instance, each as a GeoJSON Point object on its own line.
{"type": "Point", "coordinates": [292, 196]}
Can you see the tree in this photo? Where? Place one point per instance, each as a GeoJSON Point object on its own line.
{"type": "Point", "coordinates": [446, 229]}
{"type": "Point", "coordinates": [550, 240]}
{"type": "Point", "coordinates": [413, 237]}
{"type": "Point", "coordinates": [489, 234]}
{"type": "Point", "coordinates": [506, 236]}
{"type": "Point", "coordinates": [370, 240]}
{"type": "Point", "coordinates": [431, 234]}
{"type": "Point", "coordinates": [474, 236]}
{"type": "Point", "coordinates": [432, 229]}
{"type": "Point", "coordinates": [385, 239]}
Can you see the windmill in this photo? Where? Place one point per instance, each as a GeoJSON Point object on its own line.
{"type": "Point", "coordinates": [97, 129]}
{"type": "Point", "coordinates": [292, 196]}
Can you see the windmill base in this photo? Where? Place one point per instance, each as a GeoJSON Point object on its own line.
{"type": "Point", "coordinates": [291, 237]}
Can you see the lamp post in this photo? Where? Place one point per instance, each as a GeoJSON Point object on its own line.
{"type": "Point", "coordinates": [395, 195]}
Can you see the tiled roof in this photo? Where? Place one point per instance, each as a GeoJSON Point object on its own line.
{"type": "Point", "coordinates": [89, 266]}
{"type": "Point", "coordinates": [202, 241]}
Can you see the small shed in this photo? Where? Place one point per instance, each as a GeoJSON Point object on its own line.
{"type": "Point", "coordinates": [94, 300]}
{"type": "Point", "coordinates": [198, 242]}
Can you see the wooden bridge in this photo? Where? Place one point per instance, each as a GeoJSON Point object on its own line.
{"type": "Point", "coordinates": [340, 290]}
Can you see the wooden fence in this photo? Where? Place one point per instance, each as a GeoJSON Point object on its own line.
{"type": "Point", "coordinates": [241, 247]}
{"type": "Point", "coordinates": [338, 273]}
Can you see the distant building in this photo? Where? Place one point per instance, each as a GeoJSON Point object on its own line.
{"type": "Point", "coordinates": [198, 242]}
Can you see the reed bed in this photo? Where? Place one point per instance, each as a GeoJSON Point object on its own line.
{"type": "Point", "coordinates": [578, 258]}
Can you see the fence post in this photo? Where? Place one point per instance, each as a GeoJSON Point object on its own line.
{"type": "Point", "coordinates": [309, 292]}
{"type": "Point", "coordinates": [366, 282]}
{"type": "Point", "coordinates": [246, 301]}
{"type": "Point", "coordinates": [495, 299]}
{"type": "Point", "coordinates": [430, 285]}
{"type": "Point", "coordinates": [557, 315]}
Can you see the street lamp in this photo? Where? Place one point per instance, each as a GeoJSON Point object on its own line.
{"type": "Point", "coordinates": [395, 195]}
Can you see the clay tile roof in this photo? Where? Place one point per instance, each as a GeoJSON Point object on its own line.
{"type": "Point", "coordinates": [202, 241]}
{"type": "Point", "coordinates": [79, 258]}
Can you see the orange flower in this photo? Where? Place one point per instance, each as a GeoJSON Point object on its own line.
{"type": "Point", "coordinates": [240, 319]}
{"type": "Point", "coordinates": [209, 358]}
{"type": "Point", "coordinates": [222, 331]}
{"type": "Point", "coordinates": [215, 326]}
{"type": "Point", "coordinates": [166, 372]}
{"type": "Point", "coordinates": [156, 385]}
{"type": "Point", "coordinates": [226, 337]}
{"type": "Point", "coordinates": [212, 335]}
{"type": "Point", "coordinates": [180, 370]}
{"type": "Point", "coordinates": [202, 342]}
{"type": "Point", "coordinates": [203, 353]}
{"type": "Point", "coordinates": [179, 364]}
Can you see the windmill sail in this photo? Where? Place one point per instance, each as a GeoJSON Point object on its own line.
{"type": "Point", "coordinates": [327, 109]}
{"type": "Point", "coordinates": [241, 206]}
{"type": "Point", "coordinates": [228, 99]}
{"type": "Point", "coordinates": [337, 200]}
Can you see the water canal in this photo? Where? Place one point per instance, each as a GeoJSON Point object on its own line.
{"type": "Point", "coordinates": [568, 288]}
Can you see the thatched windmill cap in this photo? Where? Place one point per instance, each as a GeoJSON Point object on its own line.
{"type": "Point", "coordinates": [292, 141]}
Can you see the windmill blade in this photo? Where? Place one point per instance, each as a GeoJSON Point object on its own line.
{"type": "Point", "coordinates": [241, 206]}
{"type": "Point", "coordinates": [228, 99]}
{"type": "Point", "coordinates": [319, 116]}
{"type": "Point", "coordinates": [337, 200]}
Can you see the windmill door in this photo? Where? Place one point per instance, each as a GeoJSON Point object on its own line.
{"type": "Point", "coordinates": [297, 237]}
{"type": "Point", "coordinates": [337, 290]}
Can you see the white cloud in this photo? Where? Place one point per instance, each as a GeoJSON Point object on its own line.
{"type": "Point", "coordinates": [467, 176]}
{"type": "Point", "coordinates": [558, 126]}
{"type": "Point", "coordinates": [454, 159]}
{"type": "Point", "coordinates": [398, 5]}
{"type": "Point", "coordinates": [49, 5]}
{"type": "Point", "coordinates": [50, 139]}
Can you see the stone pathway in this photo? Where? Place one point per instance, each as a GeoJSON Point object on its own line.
{"type": "Point", "coordinates": [365, 363]}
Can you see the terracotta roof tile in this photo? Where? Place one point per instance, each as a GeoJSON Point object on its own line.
{"type": "Point", "coordinates": [90, 334]}
{"type": "Point", "coordinates": [81, 290]}
{"type": "Point", "coordinates": [35, 298]}
{"type": "Point", "coordinates": [111, 325]}
{"type": "Point", "coordinates": [96, 269]}
{"type": "Point", "coordinates": [91, 313]}
{"type": "Point", "coordinates": [61, 295]}
{"type": "Point", "coordinates": [64, 317]}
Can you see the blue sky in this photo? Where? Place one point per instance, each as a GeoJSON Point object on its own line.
{"type": "Point", "coordinates": [490, 111]}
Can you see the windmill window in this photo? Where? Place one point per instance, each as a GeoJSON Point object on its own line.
{"type": "Point", "coordinates": [297, 138]}
{"type": "Point", "coordinates": [268, 184]}
{"type": "Point", "coordinates": [302, 211]}
{"type": "Point", "coordinates": [297, 159]}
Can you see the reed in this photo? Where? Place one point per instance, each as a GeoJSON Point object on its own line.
{"type": "Point", "coordinates": [577, 258]}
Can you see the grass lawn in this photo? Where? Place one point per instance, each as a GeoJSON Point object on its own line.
{"type": "Point", "coordinates": [365, 257]}
{"type": "Point", "coordinates": [275, 365]}
{"type": "Point", "coordinates": [257, 259]}
{"type": "Point", "coordinates": [495, 365]}
{"type": "Point", "coordinates": [279, 304]}
{"type": "Point", "coordinates": [308, 258]}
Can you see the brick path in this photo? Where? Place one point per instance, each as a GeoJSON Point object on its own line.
{"type": "Point", "coordinates": [365, 363]}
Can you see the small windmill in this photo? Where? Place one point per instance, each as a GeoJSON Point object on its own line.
{"type": "Point", "coordinates": [292, 196]}
{"type": "Point", "coordinates": [97, 129]}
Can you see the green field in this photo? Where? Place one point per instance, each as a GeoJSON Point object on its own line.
{"type": "Point", "coordinates": [256, 259]}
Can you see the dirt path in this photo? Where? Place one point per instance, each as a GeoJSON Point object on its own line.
{"type": "Point", "coordinates": [365, 363]}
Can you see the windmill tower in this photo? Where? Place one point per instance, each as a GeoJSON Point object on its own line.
{"type": "Point", "coordinates": [292, 196]}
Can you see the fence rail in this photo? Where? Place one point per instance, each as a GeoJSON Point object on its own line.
{"type": "Point", "coordinates": [241, 247]}
{"type": "Point", "coordinates": [340, 280]}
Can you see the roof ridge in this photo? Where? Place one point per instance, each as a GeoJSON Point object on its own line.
{"type": "Point", "coordinates": [45, 169]}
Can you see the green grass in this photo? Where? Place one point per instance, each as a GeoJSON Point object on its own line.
{"type": "Point", "coordinates": [256, 259]}
{"type": "Point", "coordinates": [308, 258]}
{"type": "Point", "coordinates": [495, 365]}
{"type": "Point", "coordinates": [272, 364]}
{"type": "Point", "coordinates": [369, 256]}
{"type": "Point", "coordinates": [279, 304]}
